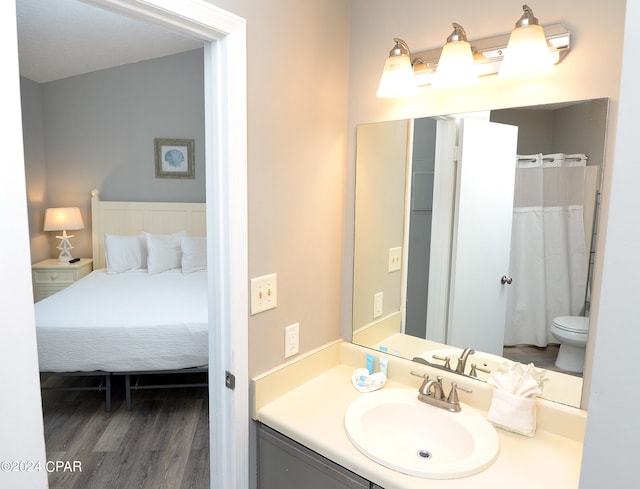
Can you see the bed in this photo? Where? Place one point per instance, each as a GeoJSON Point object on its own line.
{"type": "Point", "coordinates": [144, 308]}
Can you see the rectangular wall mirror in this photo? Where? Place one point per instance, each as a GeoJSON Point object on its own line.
{"type": "Point", "coordinates": [477, 231]}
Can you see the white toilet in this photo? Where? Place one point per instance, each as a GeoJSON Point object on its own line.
{"type": "Point", "coordinates": [571, 332]}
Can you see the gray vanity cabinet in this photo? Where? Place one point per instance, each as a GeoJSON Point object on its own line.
{"type": "Point", "coordinates": [285, 464]}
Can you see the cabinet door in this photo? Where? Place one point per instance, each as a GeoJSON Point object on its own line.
{"type": "Point", "coordinates": [285, 464]}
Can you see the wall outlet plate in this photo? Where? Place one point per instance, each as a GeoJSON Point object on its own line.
{"type": "Point", "coordinates": [377, 305]}
{"type": "Point", "coordinates": [291, 340]}
{"type": "Point", "coordinates": [264, 293]}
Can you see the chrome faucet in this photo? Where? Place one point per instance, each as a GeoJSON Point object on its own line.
{"type": "Point", "coordinates": [433, 389]}
{"type": "Point", "coordinates": [432, 392]}
{"type": "Point", "coordinates": [462, 361]}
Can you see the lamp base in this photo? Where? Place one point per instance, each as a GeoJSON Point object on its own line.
{"type": "Point", "coordinates": [65, 247]}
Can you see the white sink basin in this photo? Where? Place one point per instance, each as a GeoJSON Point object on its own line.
{"type": "Point", "coordinates": [395, 429]}
{"type": "Point", "coordinates": [483, 360]}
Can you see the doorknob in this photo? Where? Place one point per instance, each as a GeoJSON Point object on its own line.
{"type": "Point", "coordinates": [506, 280]}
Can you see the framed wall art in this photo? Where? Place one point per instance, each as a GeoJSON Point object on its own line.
{"type": "Point", "coordinates": [174, 158]}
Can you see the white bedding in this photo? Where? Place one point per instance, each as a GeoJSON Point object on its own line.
{"type": "Point", "coordinates": [125, 322]}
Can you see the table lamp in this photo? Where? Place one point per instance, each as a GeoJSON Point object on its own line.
{"type": "Point", "coordinates": [63, 219]}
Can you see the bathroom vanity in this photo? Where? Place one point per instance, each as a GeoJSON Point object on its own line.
{"type": "Point", "coordinates": [300, 408]}
{"type": "Point", "coordinates": [286, 464]}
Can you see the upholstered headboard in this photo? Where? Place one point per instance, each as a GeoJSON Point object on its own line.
{"type": "Point", "coordinates": [128, 218]}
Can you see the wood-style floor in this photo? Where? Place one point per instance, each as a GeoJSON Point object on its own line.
{"type": "Point", "coordinates": [163, 442]}
{"type": "Point", "coordinates": [543, 357]}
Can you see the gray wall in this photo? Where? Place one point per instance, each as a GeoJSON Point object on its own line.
{"type": "Point", "coordinates": [420, 220]}
{"type": "Point", "coordinates": [35, 170]}
{"type": "Point", "coordinates": [610, 445]}
{"type": "Point", "coordinates": [578, 128]}
{"type": "Point", "coordinates": [379, 216]}
{"type": "Point", "coordinates": [98, 131]}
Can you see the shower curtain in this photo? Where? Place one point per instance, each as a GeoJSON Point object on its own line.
{"type": "Point", "coordinates": [548, 250]}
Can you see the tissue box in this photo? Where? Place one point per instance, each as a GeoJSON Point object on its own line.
{"type": "Point", "coordinates": [513, 413]}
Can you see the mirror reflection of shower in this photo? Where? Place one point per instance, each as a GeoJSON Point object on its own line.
{"type": "Point", "coordinates": [555, 203]}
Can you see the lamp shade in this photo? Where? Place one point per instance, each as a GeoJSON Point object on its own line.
{"type": "Point", "coordinates": [456, 68]}
{"type": "Point", "coordinates": [397, 78]}
{"type": "Point", "coordinates": [62, 219]}
{"type": "Point", "coordinates": [527, 52]}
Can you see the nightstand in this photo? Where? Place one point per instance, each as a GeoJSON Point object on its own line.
{"type": "Point", "coordinates": [51, 276]}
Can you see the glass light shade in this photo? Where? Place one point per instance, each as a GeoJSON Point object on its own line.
{"type": "Point", "coordinates": [397, 78]}
{"type": "Point", "coordinates": [527, 53]}
{"type": "Point", "coordinates": [456, 68]}
{"type": "Point", "coordinates": [62, 219]}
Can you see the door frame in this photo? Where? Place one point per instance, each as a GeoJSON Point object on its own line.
{"type": "Point", "coordinates": [444, 187]}
{"type": "Point", "coordinates": [224, 35]}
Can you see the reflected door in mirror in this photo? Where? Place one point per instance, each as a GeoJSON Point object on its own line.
{"type": "Point", "coordinates": [482, 235]}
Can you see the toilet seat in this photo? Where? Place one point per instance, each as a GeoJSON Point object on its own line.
{"type": "Point", "coordinates": [572, 324]}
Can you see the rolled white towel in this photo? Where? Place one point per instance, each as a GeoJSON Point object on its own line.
{"type": "Point", "coordinates": [513, 406]}
{"type": "Point", "coordinates": [513, 413]}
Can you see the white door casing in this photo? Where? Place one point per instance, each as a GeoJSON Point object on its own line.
{"type": "Point", "coordinates": [224, 35]}
{"type": "Point", "coordinates": [441, 230]}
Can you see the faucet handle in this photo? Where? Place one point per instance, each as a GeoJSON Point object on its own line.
{"type": "Point", "coordinates": [475, 368]}
{"type": "Point", "coordinates": [453, 394]}
{"type": "Point", "coordinates": [425, 377]}
{"type": "Point", "coordinates": [446, 360]}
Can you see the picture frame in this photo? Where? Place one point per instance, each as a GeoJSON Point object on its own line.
{"type": "Point", "coordinates": [174, 158]}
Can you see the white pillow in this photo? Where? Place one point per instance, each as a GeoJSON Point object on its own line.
{"type": "Point", "coordinates": [194, 254]}
{"type": "Point", "coordinates": [163, 252]}
{"type": "Point", "coordinates": [124, 253]}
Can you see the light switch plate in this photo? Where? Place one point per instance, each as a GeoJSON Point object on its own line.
{"type": "Point", "coordinates": [264, 293]}
{"type": "Point", "coordinates": [395, 259]}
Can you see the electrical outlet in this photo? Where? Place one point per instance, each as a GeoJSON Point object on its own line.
{"type": "Point", "coordinates": [377, 305]}
{"type": "Point", "coordinates": [291, 340]}
{"type": "Point", "coordinates": [395, 259]}
{"type": "Point", "coordinates": [264, 293]}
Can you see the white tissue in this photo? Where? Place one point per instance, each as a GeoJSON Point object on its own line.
{"type": "Point", "coordinates": [366, 382]}
{"type": "Point", "coordinates": [513, 406]}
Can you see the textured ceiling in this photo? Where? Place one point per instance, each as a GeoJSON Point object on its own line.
{"type": "Point", "coordinates": [62, 38]}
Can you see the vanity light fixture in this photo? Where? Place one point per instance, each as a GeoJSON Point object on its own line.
{"type": "Point", "coordinates": [397, 77]}
{"type": "Point", "coordinates": [456, 67]}
{"type": "Point", "coordinates": [489, 55]}
{"type": "Point", "coordinates": [63, 219]}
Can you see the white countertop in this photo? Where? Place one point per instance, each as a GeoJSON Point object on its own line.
{"type": "Point", "coordinates": [313, 414]}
